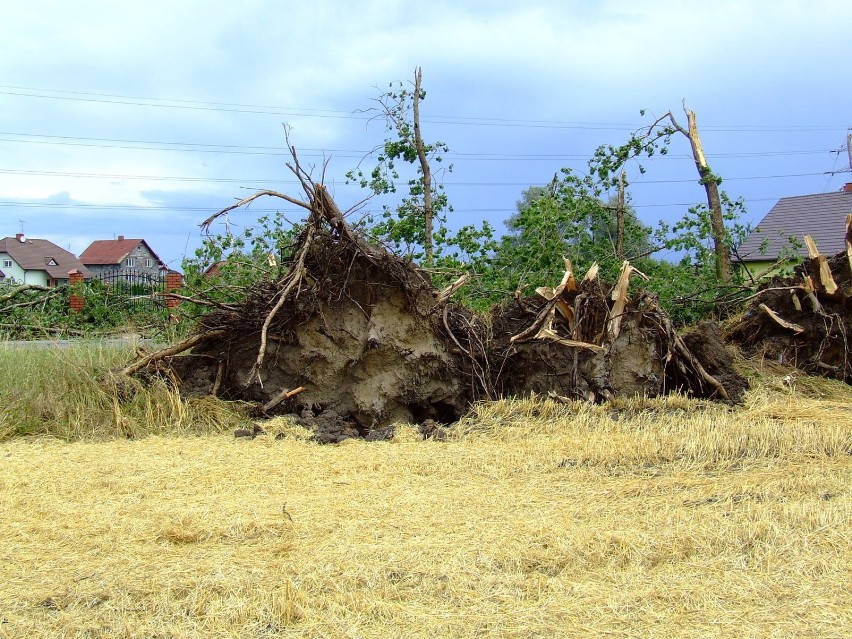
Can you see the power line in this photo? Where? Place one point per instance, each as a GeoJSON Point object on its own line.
{"type": "Point", "coordinates": [177, 178]}
{"type": "Point", "coordinates": [196, 147]}
{"type": "Point", "coordinates": [198, 105]}
{"type": "Point", "coordinates": [139, 207]}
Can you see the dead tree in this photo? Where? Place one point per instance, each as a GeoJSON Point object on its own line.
{"type": "Point", "coordinates": [710, 181]}
{"type": "Point", "coordinates": [428, 212]}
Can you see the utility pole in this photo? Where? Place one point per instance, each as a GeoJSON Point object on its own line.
{"type": "Point", "coordinates": [849, 148]}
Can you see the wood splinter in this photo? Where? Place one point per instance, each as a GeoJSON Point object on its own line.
{"type": "Point", "coordinates": [781, 321]}
{"type": "Point", "coordinates": [820, 267]}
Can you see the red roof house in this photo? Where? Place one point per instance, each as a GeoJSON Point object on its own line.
{"type": "Point", "coordinates": [32, 261]}
{"type": "Point", "coordinates": [122, 254]}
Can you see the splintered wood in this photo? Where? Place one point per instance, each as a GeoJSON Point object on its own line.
{"type": "Point", "coordinates": [619, 296]}
{"type": "Point", "coordinates": [820, 268]}
{"type": "Point", "coordinates": [558, 301]}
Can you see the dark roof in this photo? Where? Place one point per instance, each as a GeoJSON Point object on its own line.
{"type": "Point", "coordinates": [41, 255]}
{"type": "Point", "coordinates": [105, 252]}
{"type": "Point", "coordinates": [822, 216]}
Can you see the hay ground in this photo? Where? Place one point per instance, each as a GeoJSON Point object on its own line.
{"type": "Point", "coordinates": [664, 518]}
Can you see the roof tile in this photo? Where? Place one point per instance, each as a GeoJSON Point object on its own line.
{"type": "Point", "coordinates": [822, 216]}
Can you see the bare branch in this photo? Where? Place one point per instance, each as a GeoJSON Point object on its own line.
{"type": "Point", "coordinates": [206, 223]}
{"type": "Point", "coordinates": [22, 289]}
{"type": "Point", "coordinates": [185, 345]}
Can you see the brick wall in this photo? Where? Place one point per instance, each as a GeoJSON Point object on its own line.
{"type": "Point", "coordinates": [173, 282]}
{"type": "Point", "coordinates": [75, 302]}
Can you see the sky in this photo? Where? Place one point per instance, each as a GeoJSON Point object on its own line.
{"type": "Point", "coordinates": [143, 118]}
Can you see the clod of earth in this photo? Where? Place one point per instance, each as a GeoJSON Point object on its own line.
{"type": "Point", "coordinates": [372, 342]}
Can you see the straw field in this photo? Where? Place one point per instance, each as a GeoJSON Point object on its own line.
{"type": "Point", "coordinates": [664, 518]}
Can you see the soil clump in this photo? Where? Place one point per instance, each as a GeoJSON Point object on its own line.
{"type": "Point", "coordinates": [804, 320]}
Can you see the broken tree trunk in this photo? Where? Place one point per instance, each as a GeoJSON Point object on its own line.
{"type": "Point", "coordinates": [710, 182]}
{"type": "Point", "coordinates": [821, 277]}
{"type": "Point", "coordinates": [428, 213]}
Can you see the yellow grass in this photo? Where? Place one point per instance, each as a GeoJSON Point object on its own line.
{"type": "Point", "coordinates": [664, 518]}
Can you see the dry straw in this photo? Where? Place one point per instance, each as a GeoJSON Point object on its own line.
{"type": "Point", "coordinates": [664, 518]}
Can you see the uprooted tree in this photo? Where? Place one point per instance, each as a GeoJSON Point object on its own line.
{"type": "Point", "coordinates": [363, 333]}
{"type": "Point", "coordinates": [803, 320]}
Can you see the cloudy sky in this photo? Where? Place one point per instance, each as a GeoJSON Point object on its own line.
{"type": "Point", "coordinates": [142, 118]}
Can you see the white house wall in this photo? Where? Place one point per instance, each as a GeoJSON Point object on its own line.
{"type": "Point", "coordinates": [17, 274]}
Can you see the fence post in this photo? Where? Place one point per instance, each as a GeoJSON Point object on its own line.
{"type": "Point", "coordinates": [174, 281]}
{"type": "Point", "coordinates": [75, 302]}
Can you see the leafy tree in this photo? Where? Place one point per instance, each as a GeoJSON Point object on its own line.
{"type": "Point", "coordinates": [228, 263]}
{"type": "Point", "coordinates": [410, 226]}
{"type": "Point", "coordinates": [565, 218]}
{"type": "Point", "coordinates": [609, 160]}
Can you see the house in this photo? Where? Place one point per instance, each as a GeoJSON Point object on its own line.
{"type": "Point", "coordinates": [123, 255]}
{"type": "Point", "coordinates": [39, 262]}
{"type": "Point", "coordinates": [822, 216]}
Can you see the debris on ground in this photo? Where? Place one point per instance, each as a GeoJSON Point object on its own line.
{"type": "Point", "coordinates": [805, 320]}
{"type": "Point", "coordinates": [354, 338]}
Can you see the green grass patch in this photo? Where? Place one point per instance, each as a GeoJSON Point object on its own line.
{"type": "Point", "coordinates": [71, 393]}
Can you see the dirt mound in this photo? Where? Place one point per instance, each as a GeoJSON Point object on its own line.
{"type": "Point", "coordinates": [354, 338]}
{"type": "Point", "coordinates": [580, 356]}
{"type": "Point", "coordinates": [360, 336]}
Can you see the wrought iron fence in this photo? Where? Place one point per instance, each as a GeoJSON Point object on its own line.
{"type": "Point", "coordinates": [130, 288]}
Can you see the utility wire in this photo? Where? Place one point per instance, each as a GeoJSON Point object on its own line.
{"type": "Point", "coordinates": [196, 147]}
{"type": "Point", "coordinates": [139, 207]}
{"type": "Point", "coordinates": [176, 178]}
{"type": "Point", "coordinates": [197, 105]}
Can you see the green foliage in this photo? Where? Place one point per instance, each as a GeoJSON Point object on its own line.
{"type": "Point", "coordinates": [108, 308]}
{"type": "Point", "coordinates": [33, 313]}
{"type": "Point", "coordinates": [690, 290]}
{"type": "Point", "coordinates": [227, 264]}
{"type": "Point", "coordinates": [693, 233]}
{"type": "Point", "coordinates": [563, 219]}
{"type": "Point", "coordinates": [402, 225]}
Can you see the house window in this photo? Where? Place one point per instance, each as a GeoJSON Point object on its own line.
{"type": "Point", "coordinates": [149, 263]}
{"type": "Point", "coordinates": [7, 263]}
{"type": "Point", "coordinates": [130, 262]}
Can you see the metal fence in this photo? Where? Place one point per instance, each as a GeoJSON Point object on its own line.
{"type": "Point", "coordinates": [130, 288]}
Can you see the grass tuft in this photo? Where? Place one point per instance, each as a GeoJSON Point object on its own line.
{"type": "Point", "coordinates": [70, 393]}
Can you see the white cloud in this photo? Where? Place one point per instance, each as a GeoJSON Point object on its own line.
{"type": "Point", "coordinates": [737, 62]}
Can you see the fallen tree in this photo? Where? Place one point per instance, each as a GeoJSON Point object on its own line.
{"type": "Point", "coordinates": [354, 331]}
{"type": "Point", "coordinates": [589, 340]}
{"type": "Point", "coordinates": [804, 320]}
